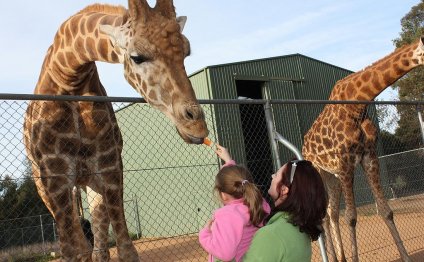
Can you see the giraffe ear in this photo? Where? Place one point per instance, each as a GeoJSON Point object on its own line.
{"type": "Point", "coordinates": [181, 20]}
{"type": "Point", "coordinates": [116, 35]}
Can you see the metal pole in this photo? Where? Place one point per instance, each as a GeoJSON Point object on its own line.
{"type": "Point", "coordinates": [138, 217]}
{"type": "Point", "coordinates": [420, 119]}
{"type": "Point", "coordinates": [271, 134]}
{"type": "Point", "coordinates": [135, 214]}
{"type": "Point", "coordinates": [54, 231]}
{"type": "Point", "coordinates": [42, 234]}
{"type": "Point", "coordinates": [275, 136]}
{"type": "Point", "coordinates": [289, 145]}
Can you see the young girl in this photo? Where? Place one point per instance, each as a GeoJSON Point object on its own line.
{"type": "Point", "coordinates": [228, 235]}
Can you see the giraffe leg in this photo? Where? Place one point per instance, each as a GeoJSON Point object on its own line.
{"type": "Point", "coordinates": [109, 203]}
{"type": "Point", "coordinates": [350, 210]}
{"type": "Point", "coordinates": [61, 208]}
{"type": "Point", "coordinates": [371, 166]}
{"type": "Point", "coordinates": [84, 247]}
{"type": "Point", "coordinates": [331, 223]}
{"type": "Point", "coordinates": [100, 225]}
{"type": "Point", "coordinates": [113, 197]}
{"type": "Point", "coordinates": [328, 240]}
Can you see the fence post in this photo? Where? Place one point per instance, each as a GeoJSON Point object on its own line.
{"type": "Point", "coordinates": [137, 218]}
{"type": "Point", "coordinates": [420, 119]}
{"type": "Point", "coordinates": [271, 133]}
{"type": "Point", "coordinates": [54, 231]}
{"type": "Point", "coordinates": [42, 234]}
{"type": "Point", "coordinates": [22, 236]}
{"type": "Point", "coordinates": [275, 136]}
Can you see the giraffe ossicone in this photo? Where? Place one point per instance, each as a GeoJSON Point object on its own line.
{"type": "Point", "coordinates": [72, 143]}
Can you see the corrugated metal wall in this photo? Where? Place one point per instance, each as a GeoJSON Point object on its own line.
{"type": "Point", "coordinates": [166, 176]}
{"type": "Point", "coordinates": [286, 77]}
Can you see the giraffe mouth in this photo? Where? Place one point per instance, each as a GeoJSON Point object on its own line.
{"type": "Point", "coordinates": [189, 138]}
{"type": "Point", "coordinates": [195, 140]}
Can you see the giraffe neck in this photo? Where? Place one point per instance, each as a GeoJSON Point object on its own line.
{"type": "Point", "coordinates": [69, 66]}
{"type": "Point", "coordinates": [371, 81]}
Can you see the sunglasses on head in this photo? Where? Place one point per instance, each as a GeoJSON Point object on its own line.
{"type": "Point", "coordinates": [293, 168]}
{"type": "Point", "coordinates": [294, 164]}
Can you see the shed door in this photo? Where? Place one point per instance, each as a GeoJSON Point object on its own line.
{"type": "Point", "coordinates": [255, 135]}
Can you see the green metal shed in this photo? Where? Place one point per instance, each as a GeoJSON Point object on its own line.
{"type": "Point", "coordinates": [289, 77]}
{"type": "Point", "coordinates": [168, 184]}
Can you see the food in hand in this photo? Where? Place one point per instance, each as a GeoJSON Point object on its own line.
{"type": "Point", "coordinates": [207, 141]}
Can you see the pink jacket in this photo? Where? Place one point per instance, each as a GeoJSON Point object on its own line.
{"type": "Point", "coordinates": [231, 232]}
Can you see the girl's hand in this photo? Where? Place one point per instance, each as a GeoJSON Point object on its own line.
{"type": "Point", "coordinates": [222, 153]}
{"type": "Point", "coordinates": [209, 224]}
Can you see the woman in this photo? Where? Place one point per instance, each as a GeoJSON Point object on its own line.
{"type": "Point", "coordinates": [300, 206]}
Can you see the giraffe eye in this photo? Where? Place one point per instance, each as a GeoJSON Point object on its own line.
{"type": "Point", "coordinates": [139, 59]}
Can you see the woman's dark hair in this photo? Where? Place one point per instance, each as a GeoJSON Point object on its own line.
{"type": "Point", "coordinates": [237, 181]}
{"type": "Point", "coordinates": [307, 199]}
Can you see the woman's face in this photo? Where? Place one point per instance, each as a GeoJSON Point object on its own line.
{"type": "Point", "coordinates": [275, 190]}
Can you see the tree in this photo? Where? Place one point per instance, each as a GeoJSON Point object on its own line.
{"type": "Point", "coordinates": [20, 206]}
{"type": "Point", "coordinates": [411, 86]}
{"type": "Point", "coordinates": [28, 201]}
{"type": "Point", "coordinates": [8, 193]}
{"type": "Point", "coordinates": [20, 199]}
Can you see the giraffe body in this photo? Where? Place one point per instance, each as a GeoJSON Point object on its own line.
{"type": "Point", "coordinates": [79, 143]}
{"type": "Point", "coordinates": [343, 137]}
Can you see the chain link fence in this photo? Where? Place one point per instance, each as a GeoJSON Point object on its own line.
{"type": "Point", "coordinates": [168, 185]}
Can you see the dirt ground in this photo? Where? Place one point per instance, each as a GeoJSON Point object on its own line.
{"type": "Point", "coordinates": [374, 240]}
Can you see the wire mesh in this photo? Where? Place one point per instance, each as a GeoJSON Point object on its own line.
{"type": "Point", "coordinates": [168, 185]}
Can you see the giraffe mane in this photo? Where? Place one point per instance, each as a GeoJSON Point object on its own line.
{"type": "Point", "coordinates": [387, 57]}
{"type": "Point", "coordinates": [105, 8]}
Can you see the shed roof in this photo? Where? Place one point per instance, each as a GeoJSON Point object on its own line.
{"type": "Point", "coordinates": [265, 59]}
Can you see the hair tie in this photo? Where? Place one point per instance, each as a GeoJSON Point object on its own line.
{"type": "Point", "coordinates": [244, 182]}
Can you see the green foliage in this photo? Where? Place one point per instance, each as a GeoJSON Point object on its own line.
{"type": "Point", "coordinates": [391, 143]}
{"type": "Point", "coordinates": [20, 210]}
{"type": "Point", "coordinates": [411, 86]}
{"type": "Point", "coordinates": [20, 199]}
{"type": "Point", "coordinates": [400, 183]}
{"type": "Point", "coordinates": [412, 25]}
{"type": "Point", "coordinates": [8, 194]}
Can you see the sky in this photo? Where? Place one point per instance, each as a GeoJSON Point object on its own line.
{"type": "Point", "coordinates": [349, 34]}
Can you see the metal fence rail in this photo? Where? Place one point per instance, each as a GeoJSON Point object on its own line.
{"type": "Point", "coordinates": [168, 184]}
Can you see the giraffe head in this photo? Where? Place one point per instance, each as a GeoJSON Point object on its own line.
{"type": "Point", "coordinates": [153, 50]}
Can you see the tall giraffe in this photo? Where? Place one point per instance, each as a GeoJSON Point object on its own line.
{"type": "Point", "coordinates": [79, 143]}
{"type": "Point", "coordinates": [343, 136]}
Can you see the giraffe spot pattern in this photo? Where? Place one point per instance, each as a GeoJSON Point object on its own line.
{"type": "Point", "coordinates": [57, 165]}
{"type": "Point", "coordinates": [90, 47]}
{"type": "Point", "coordinates": [69, 146]}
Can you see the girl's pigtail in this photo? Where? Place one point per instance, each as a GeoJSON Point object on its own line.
{"type": "Point", "coordinates": [254, 201]}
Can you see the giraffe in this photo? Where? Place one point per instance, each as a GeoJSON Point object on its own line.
{"type": "Point", "coordinates": [343, 137]}
{"type": "Point", "coordinates": [77, 143]}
